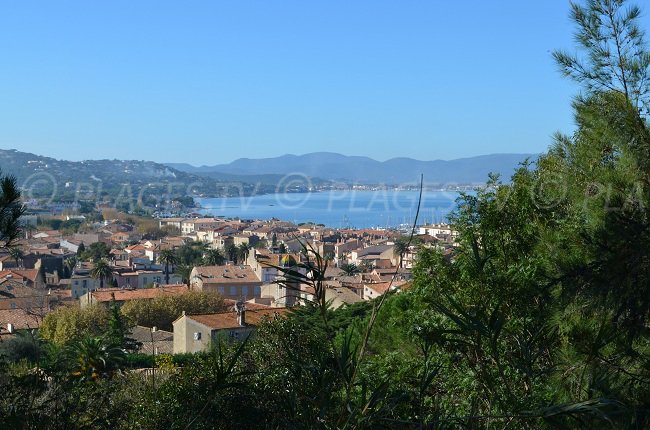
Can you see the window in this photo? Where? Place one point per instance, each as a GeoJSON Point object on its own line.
{"type": "Point", "coordinates": [233, 291]}
{"type": "Point", "coordinates": [258, 291]}
{"type": "Point", "coordinates": [244, 291]}
{"type": "Point", "coordinates": [222, 290]}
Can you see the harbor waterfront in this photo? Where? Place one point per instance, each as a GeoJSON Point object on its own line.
{"type": "Point", "coordinates": [338, 209]}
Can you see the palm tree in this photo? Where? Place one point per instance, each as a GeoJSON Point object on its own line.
{"type": "Point", "coordinates": [70, 264]}
{"type": "Point", "coordinates": [365, 266]}
{"type": "Point", "coordinates": [402, 246]}
{"type": "Point", "coordinates": [349, 269]}
{"type": "Point", "coordinates": [213, 257]}
{"type": "Point", "coordinates": [191, 253]}
{"type": "Point", "coordinates": [95, 357]}
{"type": "Point", "coordinates": [101, 270]}
{"type": "Point", "coordinates": [231, 251]}
{"type": "Point", "coordinates": [184, 271]}
{"type": "Point", "coordinates": [242, 252]}
{"type": "Point", "coordinates": [167, 257]}
{"type": "Point", "coordinates": [17, 254]}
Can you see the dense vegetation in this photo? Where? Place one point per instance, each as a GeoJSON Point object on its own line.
{"type": "Point", "coordinates": [148, 183]}
{"type": "Point", "coordinates": [539, 320]}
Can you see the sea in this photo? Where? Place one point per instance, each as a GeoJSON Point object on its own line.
{"type": "Point", "coordinates": [338, 209]}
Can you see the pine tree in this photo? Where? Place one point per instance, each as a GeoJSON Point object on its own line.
{"type": "Point", "coordinates": [615, 55]}
{"type": "Point", "coordinates": [118, 330]}
{"type": "Point", "coordinates": [11, 209]}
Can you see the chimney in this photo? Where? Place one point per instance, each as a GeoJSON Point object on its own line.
{"type": "Point", "coordinates": [241, 313]}
{"type": "Point", "coordinates": [10, 328]}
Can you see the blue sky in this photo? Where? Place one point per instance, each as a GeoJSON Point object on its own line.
{"type": "Point", "coordinates": [207, 82]}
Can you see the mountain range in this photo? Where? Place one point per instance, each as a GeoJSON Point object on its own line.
{"type": "Point", "coordinates": [365, 170]}
{"type": "Point", "coordinates": [57, 179]}
{"type": "Point", "coordinates": [61, 179]}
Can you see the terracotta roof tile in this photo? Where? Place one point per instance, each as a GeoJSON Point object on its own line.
{"type": "Point", "coordinates": [230, 273]}
{"type": "Point", "coordinates": [268, 259]}
{"type": "Point", "coordinates": [19, 318]}
{"type": "Point", "coordinates": [225, 320]}
{"type": "Point", "coordinates": [249, 306]}
{"type": "Point", "coordinates": [382, 287]}
{"type": "Point", "coordinates": [121, 295]}
{"type": "Point", "coordinates": [31, 274]}
{"type": "Point", "coordinates": [137, 247]}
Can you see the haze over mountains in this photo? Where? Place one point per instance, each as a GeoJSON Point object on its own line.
{"type": "Point", "coordinates": [365, 170]}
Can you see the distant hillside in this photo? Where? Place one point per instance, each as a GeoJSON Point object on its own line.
{"type": "Point", "coordinates": [114, 179]}
{"type": "Point", "coordinates": [365, 170]}
{"type": "Point", "coordinates": [24, 165]}
{"type": "Point", "coordinates": [253, 178]}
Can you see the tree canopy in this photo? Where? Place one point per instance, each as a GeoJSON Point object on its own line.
{"type": "Point", "coordinates": [161, 312]}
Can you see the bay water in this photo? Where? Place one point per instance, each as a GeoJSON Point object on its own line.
{"type": "Point", "coordinates": [337, 209]}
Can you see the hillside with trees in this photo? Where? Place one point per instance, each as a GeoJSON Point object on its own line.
{"type": "Point", "coordinates": [126, 182]}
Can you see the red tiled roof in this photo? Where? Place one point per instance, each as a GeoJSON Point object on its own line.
{"type": "Point", "coordinates": [31, 274]}
{"type": "Point", "coordinates": [230, 274]}
{"type": "Point", "coordinates": [249, 306]}
{"type": "Point", "coordinates": [380, 287]}
{"type": "Point", "coordinates": [19, 318]}
{"type": "Point", "coordinates": [137, 247]}
{"type": "Point", "coordinates": [267, 259]}
{"type": "Point", "coordinates": [227, 320]}
{"type": "Point", "coordinates": [202, 220]}
{"type": "Point", "coordinates": [121, 295]}
{"type": "Point", "coordinates": [61, 293]}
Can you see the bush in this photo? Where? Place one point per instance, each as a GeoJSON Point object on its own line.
{"type": "Point", "coordinates": [24, 346]}
{"type": "Point", "coordinates": [140, 360]}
